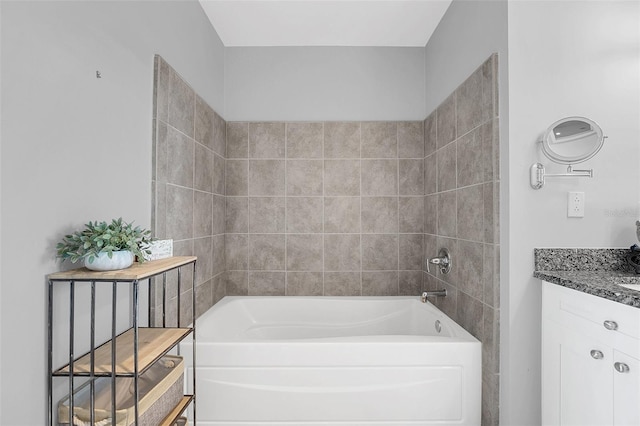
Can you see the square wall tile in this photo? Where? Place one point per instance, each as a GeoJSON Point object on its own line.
{"type": "Point", "coordinates": [446, 168]}
{"type": "Point", "coordinates": [304, 177]}
{"type": "Point", "coordinates": [341, 214]}
{"type": "Point", "coordinates": [237, 177]}
{"type": "Point", "coordinates": [430, 174]}
{"type": "Point", "coordinates": [203, 168]}
{"type": "Point", "coordinates": [342, 140]}
{"type": "Point", "coordinates": [431, 214]}
{"type": "Point", "coordinates": [411, 214]}
{"type": "Point", "coordinates": [237, 140]}
{"type": "Point", "coordinates": [304, 140]}
{"type": "Point", "coordinates": [470, 269]}
{"type": "Point", "coordinates": [218, 174]}
{"type": "Point", "coordinates": [237, 283]}
{"type": "Point", "coordinates": [304, 214]}
{"type": "Point", "coordinates": [237, 252]}
{"type": "Point", "coordinates": [237, 215]}
{"type": "Point", "coordinates": [379, 252]}
{"type": "Point", "coordinates": [381, 283]}
{"type": "Point", "coordinates": [379, 214]}
{"type": "Point", "coordinates": [341, 177]}
{"type": "Point", "coordinates": [179, 212]}
{"type": "Point", "coordinates": [470, 212]}
{"type": "Point", "coordinates": [410, 251]}
{"type": "Point", "coordinates": [380, 177]}
{"type": "Point", "coordinates": [203, 249]}
{"type": "Point", "coordinates": [202, 212]}
{"type": "Point", "coordinates": [342, 284]}
{"type": "Point", "coordinates": [180, 160]}
{"type": "Point", "coordinates": [379, 139]}
{"type": "Point", "coordinates": [470, 315]}
{"type": "Point", "coordinates": [470, 159]}
{"type": "Point", "coordinates": [304, 252]}
{"type": "Point", "coordinates": [266, 177]}
{"type": "Point", "coordinates": [219, 261]}
{"type": "Point", "coordinates": [410, 283]}
{"type": "Point", "coordinates": [342, 252]}
{"type": "Point", "coordinates": [266, 283]}
{"type": "Point", "coordinates": [304, 284]}
{"type": "Point", "coordinates": [411, 175]}
{"type": "Point", "coordinates": [447, 214]}
{"type": "Point", "coordinates": [266, 140]}
{"type": "Point", "coordinates": [267, 251]}
{"type": "Point", "coordinates": [218, 215]}
{"type": "Point", "coordinates": [411, 139]}
{"type": "Point", "coordinates": [266, 214]}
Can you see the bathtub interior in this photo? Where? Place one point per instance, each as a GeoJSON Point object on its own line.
{"type": "Point", "coordinates": [284, 318]}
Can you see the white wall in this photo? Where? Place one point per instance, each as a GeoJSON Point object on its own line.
{"type": "Point", "coordinates": [76, 148]}
{"type": "Point", "coordinates": [324, 83]}
{"type": "Point", "coordinates": [565, 58]}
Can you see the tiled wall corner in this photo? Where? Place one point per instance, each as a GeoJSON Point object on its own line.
{"type": "Point", "coordinates": [324, 208]}
{"type": "Point", "coordinates": [189, 152]}
{"type": "Point", "coordinates": [461, 182]}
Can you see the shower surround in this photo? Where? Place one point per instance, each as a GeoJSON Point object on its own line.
{"type": "Point", "coordinates": [337, 208]}
{"type": "Point", "coordinates": [329, 208]}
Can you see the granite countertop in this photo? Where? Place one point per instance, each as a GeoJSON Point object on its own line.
{"type": "Point", "coordinates": [592, 271]}
{"type": "Point", "coordinates": [598, 283]}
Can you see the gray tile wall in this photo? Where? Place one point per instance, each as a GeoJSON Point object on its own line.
{"type": "Point", "coordinates": [333, 208]}
{"type": "Point", "coordinates": [461, 207]}
{"type": "Point", "coordinates": [188, 203]}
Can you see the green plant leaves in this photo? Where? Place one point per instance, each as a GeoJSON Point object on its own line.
{"type": "Point", "coordinates": [101, 237]}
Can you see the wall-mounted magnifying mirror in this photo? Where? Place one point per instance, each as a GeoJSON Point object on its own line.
{"type": "Point", "coordinates": [569, 141]}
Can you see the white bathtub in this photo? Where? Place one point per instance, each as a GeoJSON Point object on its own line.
{"type": "Point", "coordinates": [334, 361]}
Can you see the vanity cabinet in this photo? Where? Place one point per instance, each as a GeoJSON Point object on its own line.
{"type": "Point", "coordinates": [116, 367]}
{"type": "Point", "coordinates": [590, 359]}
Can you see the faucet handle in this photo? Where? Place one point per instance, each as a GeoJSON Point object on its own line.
{"type": "Point", "coordinates": [443, 261]}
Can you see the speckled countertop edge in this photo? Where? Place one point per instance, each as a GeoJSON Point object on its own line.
{"type": "Point", "coordinates": [598, 283]}
{"type": "Point", "coordinates": [593, 271]}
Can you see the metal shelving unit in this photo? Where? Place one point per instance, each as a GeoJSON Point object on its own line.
{"type": "Point", "coordinates": [129, 353]}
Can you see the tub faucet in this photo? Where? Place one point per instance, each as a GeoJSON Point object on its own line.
{"type": "Point", "coordinates": [435, 293]}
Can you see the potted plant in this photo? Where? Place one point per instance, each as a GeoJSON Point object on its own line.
{"type": "Point", "coordinates": [106, 247]}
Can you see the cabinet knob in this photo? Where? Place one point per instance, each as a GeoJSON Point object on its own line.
{"type": "Point", "coordinates": [610, 325]}
{"type": "Point", "coordinates": [621, 367]}
{"type": "Point", "coordinates": [596, 354]}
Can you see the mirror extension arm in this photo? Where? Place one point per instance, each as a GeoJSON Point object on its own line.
{"type": "Point", "coordinates": [538, 174]}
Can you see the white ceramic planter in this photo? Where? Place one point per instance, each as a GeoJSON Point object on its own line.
{"type": "Point", "coordinates": [120, 260]}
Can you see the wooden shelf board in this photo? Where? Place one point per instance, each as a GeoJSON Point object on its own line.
{"type": "Point", "coordinates": [152, 344]}
{"type": "Point", "coordinates": [177, 412]}
{"type": "Point", "coordinates": [137, 271]}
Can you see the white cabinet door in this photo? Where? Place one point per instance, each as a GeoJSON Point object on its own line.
{"type": "Point", "coordinates": [626, 390]}
{"type": "Point", "coordinates": [586, 381]}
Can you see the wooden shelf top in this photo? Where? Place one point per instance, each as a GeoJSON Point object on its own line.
{"type": "Point", "coordinates": [152, 344]}
{"type": "Point", "coordinates": [137, 271]}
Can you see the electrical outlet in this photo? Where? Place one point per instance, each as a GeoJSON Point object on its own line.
{"type": "Point", "coordinates": [575, 204]}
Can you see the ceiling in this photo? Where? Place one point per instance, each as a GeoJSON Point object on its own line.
{"type": "Point", "coordinates": [325, 22]}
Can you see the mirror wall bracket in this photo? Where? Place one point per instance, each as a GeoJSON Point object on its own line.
{"type": "Point", "coordinates": [538, 174]}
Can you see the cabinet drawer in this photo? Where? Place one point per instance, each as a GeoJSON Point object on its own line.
{"type": "Point", "coordinates": [591, 313]}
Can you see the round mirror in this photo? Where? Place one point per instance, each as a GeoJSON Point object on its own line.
{"type": "Point", "coordinates": [572, 140]}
